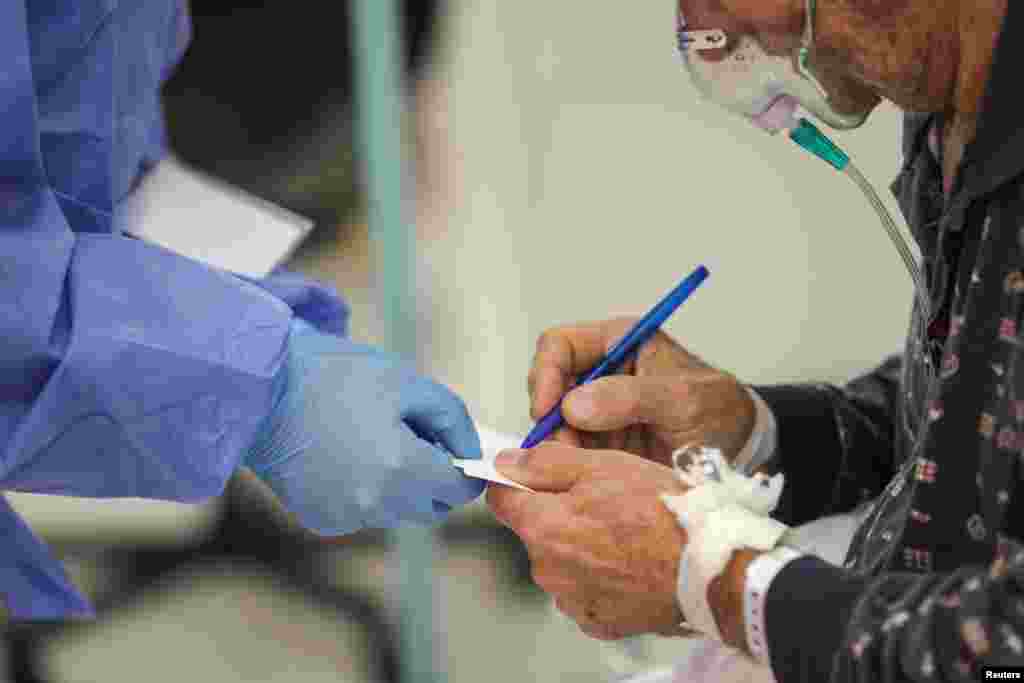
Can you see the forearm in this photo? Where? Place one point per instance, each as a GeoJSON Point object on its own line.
{"type": "Point", "coordinates": [836, 446]}
{"type": "Point", "coordinates": [823, 623]}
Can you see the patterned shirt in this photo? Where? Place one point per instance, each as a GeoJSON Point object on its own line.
{"type": "Point", "coordinates": [928, 447]}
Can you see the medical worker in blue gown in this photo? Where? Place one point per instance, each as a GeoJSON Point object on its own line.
{"type": "Point", "coordinates": [129, 371]}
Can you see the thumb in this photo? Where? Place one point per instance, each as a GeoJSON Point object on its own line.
{"type": "Point", "coordinates": [617, 402]}
{"type": "Point", "coordinates": [551, 466]}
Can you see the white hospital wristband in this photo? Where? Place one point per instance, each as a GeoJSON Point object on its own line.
{"type": "Point", "coordinates": [763, 439]}
{"type": "Point", "coordinates": [760, 574]}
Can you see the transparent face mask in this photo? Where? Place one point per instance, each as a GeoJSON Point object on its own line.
{"type": "Point", "coordinates": [734, 71]}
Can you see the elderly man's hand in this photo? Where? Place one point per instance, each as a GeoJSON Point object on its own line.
{"type": "Point", "coordinates": [600, 541]}
{"type": "Point", "coordinates": [666, 397]}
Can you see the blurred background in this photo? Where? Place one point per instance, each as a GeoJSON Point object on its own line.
{"type": "Point", "coordinates": [564, 170]}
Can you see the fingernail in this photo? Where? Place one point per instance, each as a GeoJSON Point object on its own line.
{"type": "Point", "coordinates": [510, 457]}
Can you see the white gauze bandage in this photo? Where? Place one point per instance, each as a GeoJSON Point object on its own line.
{"type": "Point", "coordinates": [722, 512]}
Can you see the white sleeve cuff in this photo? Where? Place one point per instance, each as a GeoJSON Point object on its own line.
{"type": "Point", "coordinates": [761, 445]}
{"type": "Point", "coordinates": [760, 574]}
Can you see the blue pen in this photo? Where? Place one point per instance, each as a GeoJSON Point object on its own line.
{"type": "Point", "coordinates": [613, 360]}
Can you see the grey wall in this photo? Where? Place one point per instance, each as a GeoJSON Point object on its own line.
{"type": "Point", "coordinates": [593, 179]}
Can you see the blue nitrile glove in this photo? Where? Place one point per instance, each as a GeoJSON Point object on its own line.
{"type": "Point", "coordinates": [349, 443]}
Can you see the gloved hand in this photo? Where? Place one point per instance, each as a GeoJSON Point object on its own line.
{"type": "Point", "coordinates": [349, 443]}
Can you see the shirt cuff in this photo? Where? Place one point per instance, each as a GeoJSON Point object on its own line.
{"type": "Point", "coordinates": [761, 445]}
{"type": "Point", "coordinates": [760, 574]}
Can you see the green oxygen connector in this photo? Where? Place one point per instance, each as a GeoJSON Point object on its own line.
{"type": "Point", "coordinates": [814, 141]}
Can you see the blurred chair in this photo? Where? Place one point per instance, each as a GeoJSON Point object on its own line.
{"type": "Point", "coordinates": [250, 528]}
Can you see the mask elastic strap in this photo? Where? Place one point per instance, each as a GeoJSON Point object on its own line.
{"type": "Point", "coordinates": [804, 55]}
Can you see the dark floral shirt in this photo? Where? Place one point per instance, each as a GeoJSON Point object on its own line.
{"type": "Point", "coordinates": [927, 447]}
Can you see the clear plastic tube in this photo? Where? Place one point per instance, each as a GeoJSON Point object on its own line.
{"type": "Point", "coordinates": [809, 137]}
{"type": "Point", "coordinates": [898, 241]}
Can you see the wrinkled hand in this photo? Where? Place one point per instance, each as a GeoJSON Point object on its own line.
{"type": "Point", "coordinates": [666, 397]}
{"type": "Point", "coordinates": [351, 441]}
{"type": "Point", "coordinates": [600, 540]}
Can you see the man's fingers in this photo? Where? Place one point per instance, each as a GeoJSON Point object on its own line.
{"type": "Point", "coordinates": [567, 436]}
{"type": "Point", "coordinates": [613, 403]}
{"type": "Point", "coordinates": [530, 515]}
{"type": "Point", "coordinates": [548, 383]}
{"type": "Point", "coordinates": [563, 353]}
{"type": "Point", "coordinates": [551, 467]}
{"type": "Point", "coordinates": [508, 504]}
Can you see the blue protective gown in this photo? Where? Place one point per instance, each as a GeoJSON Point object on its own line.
{"type": "Point", "coordinates": [125, 370]}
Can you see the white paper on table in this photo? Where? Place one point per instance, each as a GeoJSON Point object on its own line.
{"type": "Point", "coordinates": [491, 443]}
{"type": "Point", "coordinates": [208, 220]}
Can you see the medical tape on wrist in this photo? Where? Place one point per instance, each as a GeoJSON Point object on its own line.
{"type": "Point", "coordinates": [722, 512]}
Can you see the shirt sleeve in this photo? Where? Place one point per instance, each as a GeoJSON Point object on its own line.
{"type": "Point", "coordinates": [836, 445]}
{"type": "Point", "coordinates": [896, 626]}
{"type": "Point", "coordinates": [125, 370]}
{"type": "Point", "coordinates": [33, 584]}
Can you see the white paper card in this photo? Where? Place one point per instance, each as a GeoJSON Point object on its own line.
{"type": "Point", "coordinates": [492, 442]}
{"type": "Point", "coordinates": [485, 469]}
{"type": "Point", "coordinates": [208, 220]}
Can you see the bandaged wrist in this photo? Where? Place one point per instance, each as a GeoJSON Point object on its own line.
{"type": "Point", "coordinates": [722, 512]}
